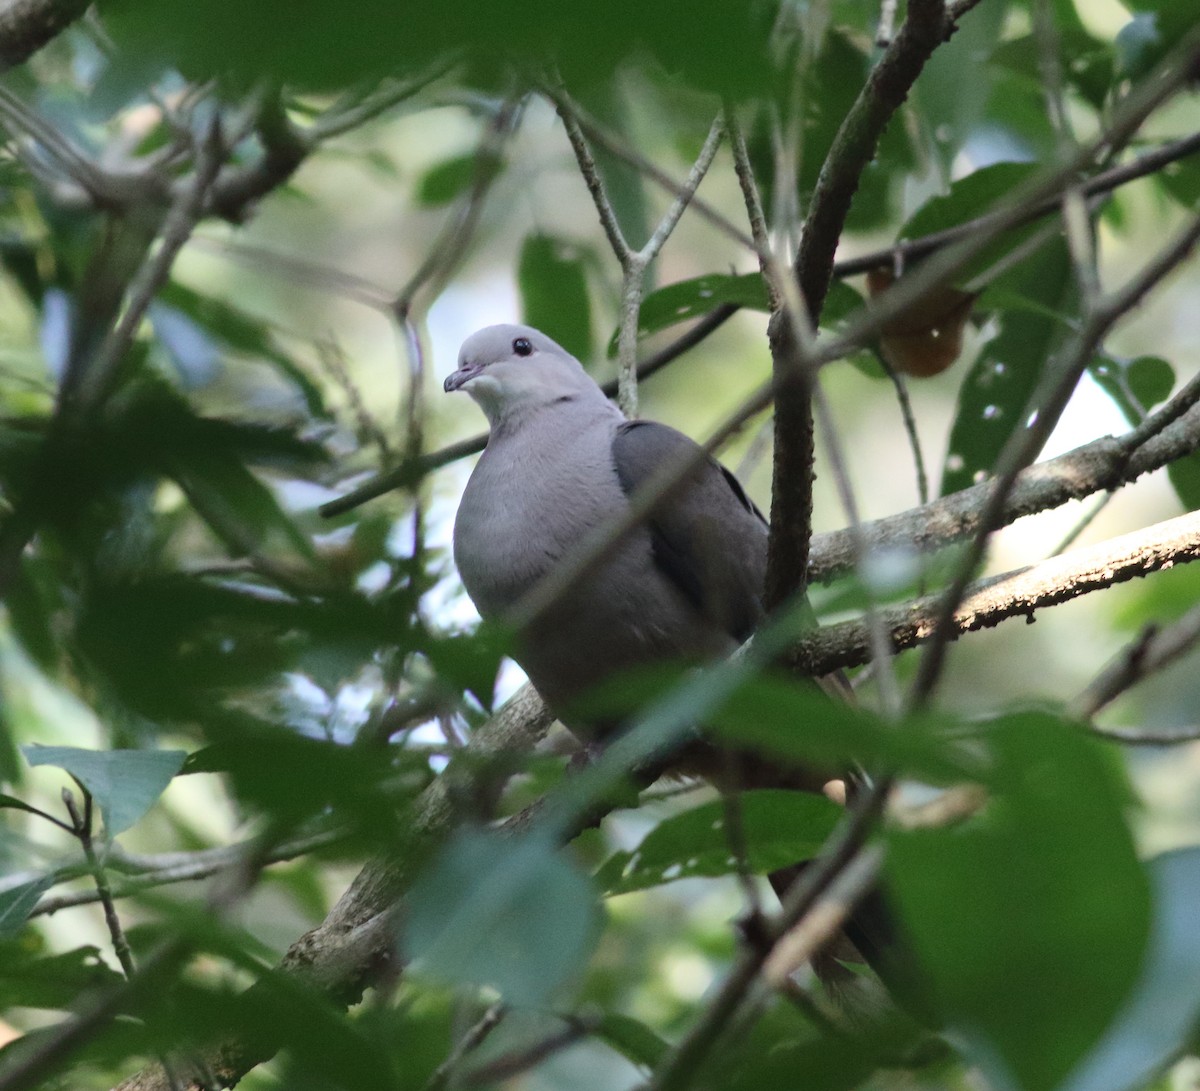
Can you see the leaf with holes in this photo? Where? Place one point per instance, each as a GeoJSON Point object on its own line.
{"type": "Point", "coordinates": [993, 401]}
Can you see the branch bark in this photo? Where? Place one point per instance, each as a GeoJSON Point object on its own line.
{"type": "Point", "coordinates": [27, 25]}
{"type": "Point", "coordinates": [853, 148]}
{"type": "Point", "coordinates": [1020, 593]}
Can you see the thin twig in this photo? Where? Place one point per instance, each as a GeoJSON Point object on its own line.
{"type": "Point", "coordinates": [82, 823]}
{"type": "Point", "coordinates": [634, 263]}
{"type": "Point", "coordinates": [454, 238]}
{"type": "Point", "coordinates": [339, 118]}
{"type": "Point", "coordinates": [513, 1064]}
{"type": "Point", "coordinates": [689, 1052]}
{"type": "Point", "coordinates": [1152, 650]}
{"type": "Point", "coordinates": [162, 869]}
{"type": "Point", "coordinates": [467, 1044]}
{"type": "Point", "coordinates": [592, 130]}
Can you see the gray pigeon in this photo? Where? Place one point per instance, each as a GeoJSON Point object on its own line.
{"type": "Point", "coordinates": [562, 460]}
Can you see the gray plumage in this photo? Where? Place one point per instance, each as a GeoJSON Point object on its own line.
{"type": "Point", "coordinates": [561, 460]}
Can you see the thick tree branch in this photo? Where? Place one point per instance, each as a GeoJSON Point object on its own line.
{"type": "Point", "coordinates": [27, 25]}
{"type": "Point", "coordinates": [1021, 593]}
{"type": "Point", "coordinates": [853, 148]}
{"type": "Point", "coordinates": [1055, 390]}
{"type": "Point", "coordinates": [1169, 434]}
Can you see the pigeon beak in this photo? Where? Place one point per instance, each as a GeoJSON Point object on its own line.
{"type": "Point", "coordinates": [457, 379]}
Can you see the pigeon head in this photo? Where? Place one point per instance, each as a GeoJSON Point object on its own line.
{"type": "Point", "coordinates": [511, 369]}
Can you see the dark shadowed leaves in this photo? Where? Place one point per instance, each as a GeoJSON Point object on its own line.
{"type": "Point", "coordinates": [1030, 920]}
{"type": "Point", "coordinates": [717, 45]}
{"type": "Point", "coordinates": [510, 912]}
{"type": "Point", "coordinates": [124, 783]}
{"type": "Point", "coordinates": [53, 981]}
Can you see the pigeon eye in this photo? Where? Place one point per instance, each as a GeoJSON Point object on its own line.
{"type": "Point", "coordinates": [522, 346]}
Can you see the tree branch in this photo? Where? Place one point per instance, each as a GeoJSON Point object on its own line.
{"type": "Point", "coordinates": [1023, 446]}
{"type": "Point", "coordinates": [1153, 649]}
{"type": "Point", "coordinates": [1020, 593]}
{"type": "Point", "coordinates": [1102, 464]}
{"type": "Point", "coordinates": [853, 148]}
{"type": "Point", "coordinates": [27, 25]}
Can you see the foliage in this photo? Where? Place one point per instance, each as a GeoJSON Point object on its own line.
{"type": "Point", "coordinates": [203, 202]}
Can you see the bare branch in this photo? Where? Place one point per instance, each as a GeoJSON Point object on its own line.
{"type": "Point", "coordinates": [27, 25]}
{"type": "Point", "coordinates": [1100, 465]}
{"type": "Point", "coordinates": [569, 114]}
{"type": "Point", "coordinates": [1020, 593]}
{"type": "Point", "coordinates": [1152, 650]}
{"type": "Point", "coordinates": [161, 869]}
{"type": "Point", "coordinates": [853, 148]}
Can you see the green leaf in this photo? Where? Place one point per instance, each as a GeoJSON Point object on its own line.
{"type": "Point", "coordinates": [236, 505]}
{"type": "Point", "coordinates": [1184, 475]}
{"type": "Point", "coordinates": [11, 803]}
{"type": "Point", "coordinates": [1029, 921]}
{"type": "Point", "coordinates": [969, 198]}
{"type": "Point", "coordinates": [957, 84]}
{"type": "Point", "coordinates": [779, 828]}
{"type": "Point", "coordinates": [17, 902]}
{"type": "Point", "coordinates": [625, 185]}
{"type": "Point", "coordinates": [509, 912]}
{"type": "Point", "coordinates": [124, 783]}
{"type": "Point", "coordinates": [994, 399]}
{"type": "Point", "coordinates": [795, 721]}
{"type": "Point", "coordinates": [449, 179]}
{"type": "Point", "coordinates": [687, 299]}
{"type": "Point", "coordinates": [1164, 1008]}
{"type": "Point", "coordinates": [1151, 379]}
{"type": "Point", "coordinates": [635, 1041]}
{"type": "Point", "coordinates": [832, 83]}
{"type": "Point", "coordinates": [30, 604]}
{"type": "Point", "coordinates": [1181, 180]}
{"type": "Point", "coordinates": [1134, 386]}
{"type": "Point", "coordinates": [554, 295]}
{"type": "Point", "coordinates": [1140, 45]}
{"type": "Point", "coordinates": [54, 982]}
